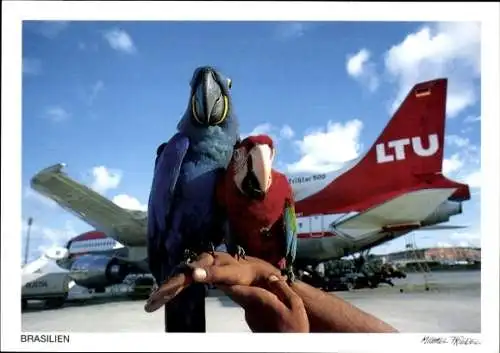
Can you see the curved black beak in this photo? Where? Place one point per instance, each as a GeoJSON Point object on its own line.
{"type": "Point", "coordinates": [208, 101]}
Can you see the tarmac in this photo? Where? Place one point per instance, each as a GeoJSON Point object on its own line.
{"type": "Point", "coordinates": [451, 304]}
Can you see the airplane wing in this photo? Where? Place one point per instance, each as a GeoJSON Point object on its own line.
{"type": "Point", "coordinates": [125, 226]}
{"type": "Point", "coordinates": [402, 213]}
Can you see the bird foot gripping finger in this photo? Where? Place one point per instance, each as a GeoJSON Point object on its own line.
{"type": "Point", "coordinates": [237, 252]}
{"type": "Point", "coordinates": [240, 252]}
{"type": "Point", "coordinates": [290, 275]}
{"type": "Point", "coordinates": [211, 248]}
{"type": "Point", "coordinates": [189, 256]}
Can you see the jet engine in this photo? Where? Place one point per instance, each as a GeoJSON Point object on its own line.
{"type": "Point", "coordinates": [98, 272]}
{"type": "Point", "coordinates": [443, 213]}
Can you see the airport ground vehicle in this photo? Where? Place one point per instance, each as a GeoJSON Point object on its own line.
{"type": "Point", "coordinates": [52, 288]}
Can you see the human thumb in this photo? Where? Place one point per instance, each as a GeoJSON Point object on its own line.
{"type": "Point", "coordinates": [200, 274]}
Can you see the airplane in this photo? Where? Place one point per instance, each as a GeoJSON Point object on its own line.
{"type": "Point", "coordinates": [396, 187]}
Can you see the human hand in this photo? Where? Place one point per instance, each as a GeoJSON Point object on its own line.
{"type": "Point", "coordinates": [274, 309]}
{"type": "Point", "coordinates": [249, 271]}
{"type": "Point", "coordinates": [270, 304]}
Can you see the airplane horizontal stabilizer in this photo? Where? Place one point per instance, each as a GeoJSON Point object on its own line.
{"type": "Point", "coordinates": [408, 209]}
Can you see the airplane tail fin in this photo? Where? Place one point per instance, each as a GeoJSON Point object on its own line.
{"type": "Point", "coordinates": [411, 145]}
{"type": "Point", "coordinates": [414, 138]}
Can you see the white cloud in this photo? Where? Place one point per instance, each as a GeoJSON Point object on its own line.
{"type": "Point", "coordinates": [120, 40]}
{"type": "Point", "coordinates": [452, 165]}
{"type": "Point", "coordinates": [327, 149]}
{"type": "Point", "coordinates": [265, 128]}
{"type": "Point", "coordinates": [286, 132]}
{"type": "Point", "coordinates": [43, 237]}
{"type": "Point", "coordinates": [472, 119]}
{"type": "Point", "coordinates": [360, 68]}
{"type": "Point", "coordinates": [129, 202]}
{"type": "Point", "coordinates": [463, 165]}
{"type": "Point", "coordinates": [32, 66]}
{"type": "Point", "coordinates": [51, 29]}
{"type": "Point", "coordinates": [449, 50]}
{"type": "Point", "coordinates": [473, 179]}
{"type": "Point", "coordinates": [458, 141]}
{"type": "Point", "coordinates": [30, 194]}
{"type": "Point", "coordinates": [356, 62]}
{"type": "Point", "coordinates": [105, 179]}
{"type": "Point", "coordinates": [95, 90]}
{"type": "Point", "coordinates": [291, 30]}
{"type": "Point", "coordinates": [57, 114]}
{"type": "Point", "coordinates": [275, 132]}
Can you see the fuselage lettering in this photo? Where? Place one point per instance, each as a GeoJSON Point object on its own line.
{"type": "Point", "coordinates": [306, 179]}
{"type": "Point", "coordinates": [37, 284]}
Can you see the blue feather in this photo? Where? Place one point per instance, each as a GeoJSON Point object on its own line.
{"type": "Point", "coordinates": [182, 203]}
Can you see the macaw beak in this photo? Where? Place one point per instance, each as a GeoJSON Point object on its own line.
{"type": "Point", "coordinates": [208, 104]}
{"type": "Point", "coordinates": [261, 156]}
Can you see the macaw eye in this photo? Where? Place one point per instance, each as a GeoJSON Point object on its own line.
{"type": "Point", "coordinates": [238, 155]}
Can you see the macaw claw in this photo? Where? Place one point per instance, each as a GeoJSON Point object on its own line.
{"type": "Point", "coordinates": [240, 252]}
{"type": "Point", "coordinates": [211, 248]}
{"type": "Point", "coordinates": [189, 256]}
{"type": "Point", "coordinates": [237, 251]}
{"type": "Point", "coordinates": [290, 275]}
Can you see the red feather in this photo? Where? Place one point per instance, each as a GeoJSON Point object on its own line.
{"type": "Point", "coordinates": [248, 217]}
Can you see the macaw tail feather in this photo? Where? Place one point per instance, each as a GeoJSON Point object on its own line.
{"type": "Point", "coordinates": [290, 221]}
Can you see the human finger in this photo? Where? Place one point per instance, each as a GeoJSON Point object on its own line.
{"type": "Point", "coordinates": [167, 292]}
{"type": "Point", "coordinates": [229, 275]}
{"type": "Point", "coordinates": [282, 290]}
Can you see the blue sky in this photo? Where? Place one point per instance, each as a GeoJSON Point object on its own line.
{"type": "Point", "coordinates": [101, 96]}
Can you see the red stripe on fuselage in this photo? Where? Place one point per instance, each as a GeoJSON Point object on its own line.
{"type": "Point", "coordinates": [92, 235]}
{"type": "Point", "coordinates": [315, 235]}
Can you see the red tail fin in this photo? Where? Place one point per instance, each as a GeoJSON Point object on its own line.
{"type": "Point", "coordinates": [407, 154]}
{"type": "Point", "coordinates": [413, 141]}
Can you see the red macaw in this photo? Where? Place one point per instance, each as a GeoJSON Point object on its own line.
{"type": "Point", "coordinates": [259, 205]}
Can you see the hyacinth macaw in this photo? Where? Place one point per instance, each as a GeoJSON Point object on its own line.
{"type": "Point", "coordinates": [259, 204]}
{"type": "Point", "coordinates": [183, 217]}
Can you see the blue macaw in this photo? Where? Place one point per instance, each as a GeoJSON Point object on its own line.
{"type": "Point", "coordinates": [183, 217]}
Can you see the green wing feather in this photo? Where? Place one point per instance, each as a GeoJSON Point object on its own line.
{"type": "Point", "coordinates": [290, 220]}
